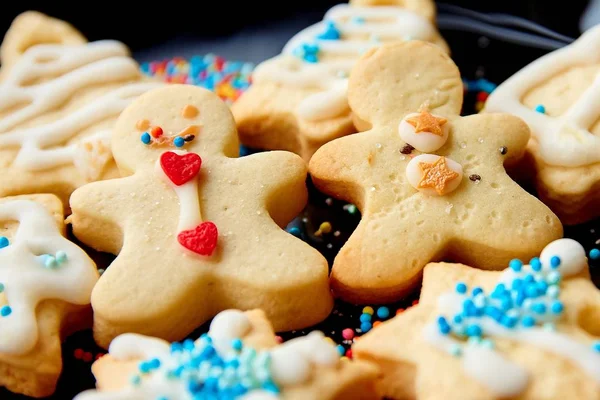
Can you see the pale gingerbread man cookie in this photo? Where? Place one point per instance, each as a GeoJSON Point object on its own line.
{"type": "Point", "coordinates": [530, 332]}
{"type": "Point", "coordinates": [430, 184]}
{"type": "Point", "coordinates": [238, 358]}
{"type": "Point", "coordinates": [59, 99]}
{"type": "Point", "coordinates": [45, 286]}
{"type": "Point", "coordinates": [196, 230]}
{"type": "Point", "coordinates": [298, 100]}
{"type": "Point", "coordinates": [558, 96]}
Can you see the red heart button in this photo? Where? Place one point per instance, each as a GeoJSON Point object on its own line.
{"type": "Point", "coordinates": [201, 240]}
{"type": "Point", "coordinates": [180, 169]}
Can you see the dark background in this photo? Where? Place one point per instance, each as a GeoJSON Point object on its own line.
{"type": "Point", "coordinates": [254, 30]}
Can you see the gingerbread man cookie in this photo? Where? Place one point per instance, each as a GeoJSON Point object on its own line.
{"type": "Point", "coordinates": [196, 230]}
{"type": "Point", "coordinates": [557, 95]}
{"type": "Point", "coordinates": [431, 185]}
{"type": "Point", "coordinates": [59, 99]}
{"type": "Point", "coordinates": [45, 287]}
{"type": "Point", "coordinates": [530, 332]}
{"type": "Point", "coordinates": [237, 359]}
{"type": "Point", "coordinates": [298, 100]}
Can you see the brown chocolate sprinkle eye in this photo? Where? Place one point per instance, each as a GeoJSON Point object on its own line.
{"type": "Point", "coordinates": [407, 149]}
{"type": "Point", "coordinates": [503, 150]}
{"type": "Point", "coordinates": [189, 138]}
{"type": "Point", "coordinates": [475, 177]}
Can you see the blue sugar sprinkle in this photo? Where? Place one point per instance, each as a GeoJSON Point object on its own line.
{"type": "Point", "coordinates": [457, 319]}
{"type": "Point", "coordinates": [596, 346]}
{"type": "Point", "coordinates": [536, 264]}
{"type": "Point", "coordinates": [557, 307]}
{"type": "Point", "coordinates": [341, 350]}
{"type": "Point", "coordinates": [178, 141]}
{"type": "Point", "coordinates": [1, 287]}
{"type": "Point", "coordinates": [461, 288]}
{"type": "Point", "coordinates": [4, 242]}
{"type": "Point", "coordinates": [331, 32]}
{"type": "Point", "coordinates": [539, 308]}
{"type": "Point", "coordinates": [365, 327]}
{"type": "Point", "coordinates": [555, 262]}
{"type": "Point", "coordinates": [515, 265]}
{"type": "Point", "coordinates": [365, 318]}
{"type": "Point", "coordinates": [236, 344]}
{"type": "Point", "coordinates": [383, 312]}
{"type": "Point", "coordinates": [476, 291]}
{"type": "Point", "coordinates": [5, 311]}
{"type": "Point", "coordinates": [540, 108]}
{"type": "Point", "coordinates": [594, 253]}
{"type": "Point", "coordinates": [528, 321]}
{"type": "Point", "coordinates": [443, 326]}
{"type": "Point", "coordinates": [473, 330]}
{"type": "Point", "coordinates": [146, 138]}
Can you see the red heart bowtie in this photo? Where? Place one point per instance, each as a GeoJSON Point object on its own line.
{"type": "Point", "coordinates": [201, 240]}
{"type": "Point", "coordinates": [180, 168]}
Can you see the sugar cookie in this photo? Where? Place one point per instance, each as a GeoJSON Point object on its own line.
{"type": "Point", "coordinates": [298, 100]}
{"type": "Point", "coordinates": [529, 332]}
{"type": "Point", "coordinates": [558, 95]}
{"type": "Point", "coordinates": [45, 287]}
{"type": "Point", "coordinates": [455, 202]}
{"type": "Point", "coordinates": [255, 367]}
{"type": "Point", "coordinates": [59, 98]}
{"type": "Point", "coordinates": [196, 230]}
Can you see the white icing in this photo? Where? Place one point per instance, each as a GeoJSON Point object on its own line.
{"type": "Point", "coordinates": [564, 140]}
{"type": "Point", "coordinates": [423, 141]}
{"type": "Point", "coordinates": [337, 57]}
{"type": "Point", "coordinates": [414, 174]}
{"type": "Point", "coordinates": [64, 70]}
{"type": "Point", "coordinates": [499, 375]}
{"type": "Point", "coordinates": [225, 327]}
{"type": "Point", "coordinates": [189, 202]}
{"type": "Point", "coordinates": [572, 256]}
{"type": "Point", "coordinates": [131, 346]}
{"type": "Point", "coordinates": [27, 281]}
{"type": "Point", "coordinates": [291, 363]}
{"type": "Point", "coordinates": [488, 367]}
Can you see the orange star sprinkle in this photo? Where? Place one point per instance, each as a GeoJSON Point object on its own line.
{"type": "Point", "coordinates": [436, 175]}
{"type": "Point", "coordinates": [427, 122]}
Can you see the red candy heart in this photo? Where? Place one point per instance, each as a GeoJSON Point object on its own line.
{"type": "Point", "coordinates": [201, 240]}
{"type": "Point", "coordinates": [180, 169]}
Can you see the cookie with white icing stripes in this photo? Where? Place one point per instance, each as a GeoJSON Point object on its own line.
{"type": "Point", "coordinates": [298, 100]}
{"type": "Point", "coordinates": [530, 332]}
{"type": "Point", "coordinates": [59, 99]}
{"type": "Point", "coordinates": [431, 185]}
{"type": "Point", "coordinates": [45, 286]}
{"type": "Point", "coordinates": [558, 96]}
{"type": "Point", "coordinates": [238, 358]}
{"type": "Point", "coordinates": [196, 229]}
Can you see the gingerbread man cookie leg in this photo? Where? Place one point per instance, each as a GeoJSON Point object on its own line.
{"type": "Point", "coordinates": [256, 367]}
{"type": "Point", "coordinates": [449, 198]}
{"type": "Point", "coordinates": [557, 95]}
{"type": "Point", "coordinates": [59, 98]}
{"type": "Point", "coordinates": [520, 333]}
{"type": "Point", "coordinates": [298, 100]}
{"type": "Point", "coordinates": [45, 287]}
{"type": "Point", "coordinates": [195, 227]}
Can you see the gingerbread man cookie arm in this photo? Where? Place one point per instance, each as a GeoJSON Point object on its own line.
{"type": "Point", "coordinates": [31, 28]}
{"type": "Point", "coordinates": [271, 183]}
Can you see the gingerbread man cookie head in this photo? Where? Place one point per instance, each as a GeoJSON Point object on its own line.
{"type": "Point", "coordinates": [196, 122]}
{"type": "Point", "coordinates": [195, 226]}
{"type": "Point", "coordinates": [430, 184]}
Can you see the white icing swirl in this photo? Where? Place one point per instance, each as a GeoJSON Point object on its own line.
{"type": "Point", "coordinates": [62, 71]}
{"type": "Point", "coordinates": [564, 140]}
{"type": "Point", "coordinates": [25, 279]}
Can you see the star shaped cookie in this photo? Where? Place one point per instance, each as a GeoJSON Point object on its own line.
{"type": "Point", "coordinates": [59, 99]}
{"type": "Point", "coordinates": [298, 100]}
{"type": "Point", "coordinates": [256, 366]}
{"type": "Point", "coordinates": [196, 230]}
{"type": "Point", "coordinates": [480, 217]}
{"type": "Point", "coordinates": [529, 332]}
